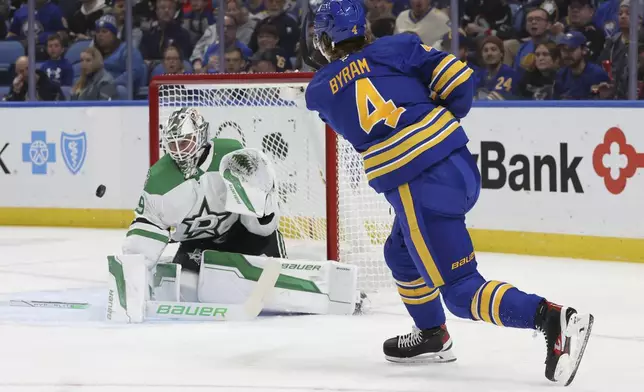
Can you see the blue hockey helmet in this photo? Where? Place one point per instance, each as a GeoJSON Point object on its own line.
{"type": "Point", "coordinates": [340, 20]}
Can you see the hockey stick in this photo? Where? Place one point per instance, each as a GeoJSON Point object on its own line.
{"type": "Point", "coordinates": [220, 312]}
{"type": "Point", "coordinates": [45, 304]}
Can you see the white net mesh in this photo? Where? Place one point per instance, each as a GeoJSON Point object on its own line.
{"type": "Point", "coordinates": [273, 119]}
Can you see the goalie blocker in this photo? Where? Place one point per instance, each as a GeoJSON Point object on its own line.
{"type": "Point", "coordinates": [230, 286]}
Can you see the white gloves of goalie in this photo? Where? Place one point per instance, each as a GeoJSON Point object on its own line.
{"type": "Point", "coordinates": [250, 183]}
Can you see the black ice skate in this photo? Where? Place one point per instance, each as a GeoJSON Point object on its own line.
{"type": "Point", "coordinates": [420, 346]}
{"type": "Point", "coordinates": [567, 334]}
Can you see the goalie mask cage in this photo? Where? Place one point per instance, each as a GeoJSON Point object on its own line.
{"type": "Point", "coordinates": [328, 211]}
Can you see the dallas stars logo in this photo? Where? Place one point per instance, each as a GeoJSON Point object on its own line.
{"type": "Point", "coordinates": [204, 222]}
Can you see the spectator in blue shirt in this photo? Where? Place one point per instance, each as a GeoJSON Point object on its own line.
{"type": "Point", "coordinates": [57, 68]}
{"type": "Point", "coordinates": [578, 79]}
{"type": "Point", "coordinates": [49, 20]}
{"type": "Point", "coordinates": [537, 25]}
{"type": "Point", "coordinates": [210, 60]}
{"type": "Point", "coordinates": [494, 75]}
{"type": "Point", "coordinates": [115, 53]}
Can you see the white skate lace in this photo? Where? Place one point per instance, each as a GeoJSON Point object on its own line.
{"type": "Point", "coordinates": [411, 339]}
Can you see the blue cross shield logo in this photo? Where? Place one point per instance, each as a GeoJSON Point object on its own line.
{"type": "Point", "coordinates": [74, 150]}
{"type": "Point", "coordinates": [38, 152]}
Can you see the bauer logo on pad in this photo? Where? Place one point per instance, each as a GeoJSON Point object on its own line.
{"type": "Point", "coordinates": [73, 149]}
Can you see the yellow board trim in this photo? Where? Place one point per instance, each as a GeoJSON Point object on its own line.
{"type": "Point", "coordinates": [417, 238]}
{"type": "Point", "coordinates": [486, 298]}
{"type": "Point", "coordinates": [66, 217]}
{"type": "Point", "coordinates": [498, 241]}
{"type": "Point", "coordinates": [496, 305]}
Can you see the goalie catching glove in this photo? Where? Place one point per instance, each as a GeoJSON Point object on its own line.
{"type": "Point", "coordinates": [250, 181]}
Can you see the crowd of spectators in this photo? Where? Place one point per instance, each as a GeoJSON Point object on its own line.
{"type": "Point", "coordinates": [519, 49]}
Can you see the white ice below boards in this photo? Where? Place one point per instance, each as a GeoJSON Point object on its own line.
{"type": "Point", "coordinates": [49, 350]}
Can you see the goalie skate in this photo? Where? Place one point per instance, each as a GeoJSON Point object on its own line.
{"type": "Point", "coordinates": [420, 346]}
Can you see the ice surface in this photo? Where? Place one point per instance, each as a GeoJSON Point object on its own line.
{"type": "Point", "coordinates": [74, 350]}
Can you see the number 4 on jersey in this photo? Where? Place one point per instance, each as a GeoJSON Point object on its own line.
{"type": "Point", "coordinates": [368, 98]}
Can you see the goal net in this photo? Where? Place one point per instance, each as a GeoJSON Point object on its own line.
{"type": "Point", "coordinates": [328, 210]}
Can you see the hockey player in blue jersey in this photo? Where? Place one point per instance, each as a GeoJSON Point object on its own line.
{"type": "Point", "coordinates": [399, 102]}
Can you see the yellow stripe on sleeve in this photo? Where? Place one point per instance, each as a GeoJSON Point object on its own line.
{"type": "Point", "coordinates": [462, 78]}
{"type": "Point", "coordinates": [448, 75]}
{"type": "Point", "coordinates": [444, 62]}
{"type": "Point", "coordinates": [417, 238]}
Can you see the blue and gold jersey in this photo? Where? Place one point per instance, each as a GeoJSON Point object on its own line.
{"type": "Point", "coordinates": [398, 102]}
{"type": "Point", "coordinates": [505, 80]}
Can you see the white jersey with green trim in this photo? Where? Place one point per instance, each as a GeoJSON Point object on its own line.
{"type": "Point", "coordinates": [173, 207]}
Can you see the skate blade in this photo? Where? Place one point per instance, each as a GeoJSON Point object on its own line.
{"type": "Point", "coordinates": [440, 357]}
{"type": "Point", "coordinates": [578, 332]}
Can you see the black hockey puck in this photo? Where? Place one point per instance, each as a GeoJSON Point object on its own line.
{"type": "Point", "coordinates": [100, 191]}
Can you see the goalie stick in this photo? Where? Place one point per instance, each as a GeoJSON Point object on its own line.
{"type": "Point", "coordinates": [45, 304]}
{"type": "Point", "coordinates": [248, 310]}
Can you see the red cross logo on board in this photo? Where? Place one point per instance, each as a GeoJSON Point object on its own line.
{"type": "Point", "coordinates": [616, 161]}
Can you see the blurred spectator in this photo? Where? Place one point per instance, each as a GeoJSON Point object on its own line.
{"type": "Point", "coordinates": [256, 8]}
{"type": "Point", "coordinates": [119, 14]}
{"type": "Point", "coordinates": [577, 79]}
{"type": "Point", "coordinates": [538, 26]}
{"type": "Point", "coordinates": [46, 90]}
{"type": "Point", "coordinates": [83, 22]}
{"type": "Point", "coordinates": [94, 84]}
{"type": "Point", "coordinates": [173, 61]}
{"type": "Point", "coordinates": [268, 61]}
{"type": "Point", "coordinates": [230, 41]}
{"type": "Point", "coordinates": [3, 26]}
{"type": "Point", "coordinates": [57, 68]}
{"type": "Point", "coordinates": [115, 52]}
{"type": "Point", "coordinates": [494, 75]}
{"type": "Point", "coordinates": [463, 52]}
{"type": "Point", "coordinates": [244, 22]}
{"type": "Point", "coordinates": [49, 20]}
{"type": "Point", "coordinates": [267, 37]}
{"type": "Point", "coordinates": [423, 19]}
{"type": "Point", "coordinates": [167, 32]}
{"type": "Point", "coordinates": [383, 27]}
{"type": "Point", "coordinates": [539, 79]}
{"type": "Point", "coordinates": [377, 9]}
{"type": "Point", "coordinates": [197, 20]}
{"type": "Point", "coordinates": [615, 56]}
{"type": "Point", "coordinates": [288, 28]}
{"type": "Point", "coordinates": [145, 13]}
{"type": "Point", "coordinates": [488, 17]}
{"type": "Point", "coordinates": [235, 62]}
{"type": "Point", "coordinates": [607, 17]}
{"type": "Point", "coordinates": [580, 16]}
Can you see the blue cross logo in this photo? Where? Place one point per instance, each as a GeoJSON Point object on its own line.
{"type": "Point", "coordinates": [39, 153]}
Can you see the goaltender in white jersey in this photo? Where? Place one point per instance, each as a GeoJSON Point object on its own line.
{"type": "Point", "coordinates": [219, 201]}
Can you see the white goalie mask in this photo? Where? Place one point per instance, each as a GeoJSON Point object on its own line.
{"type": "Point", "coordinates": [183, 137]}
